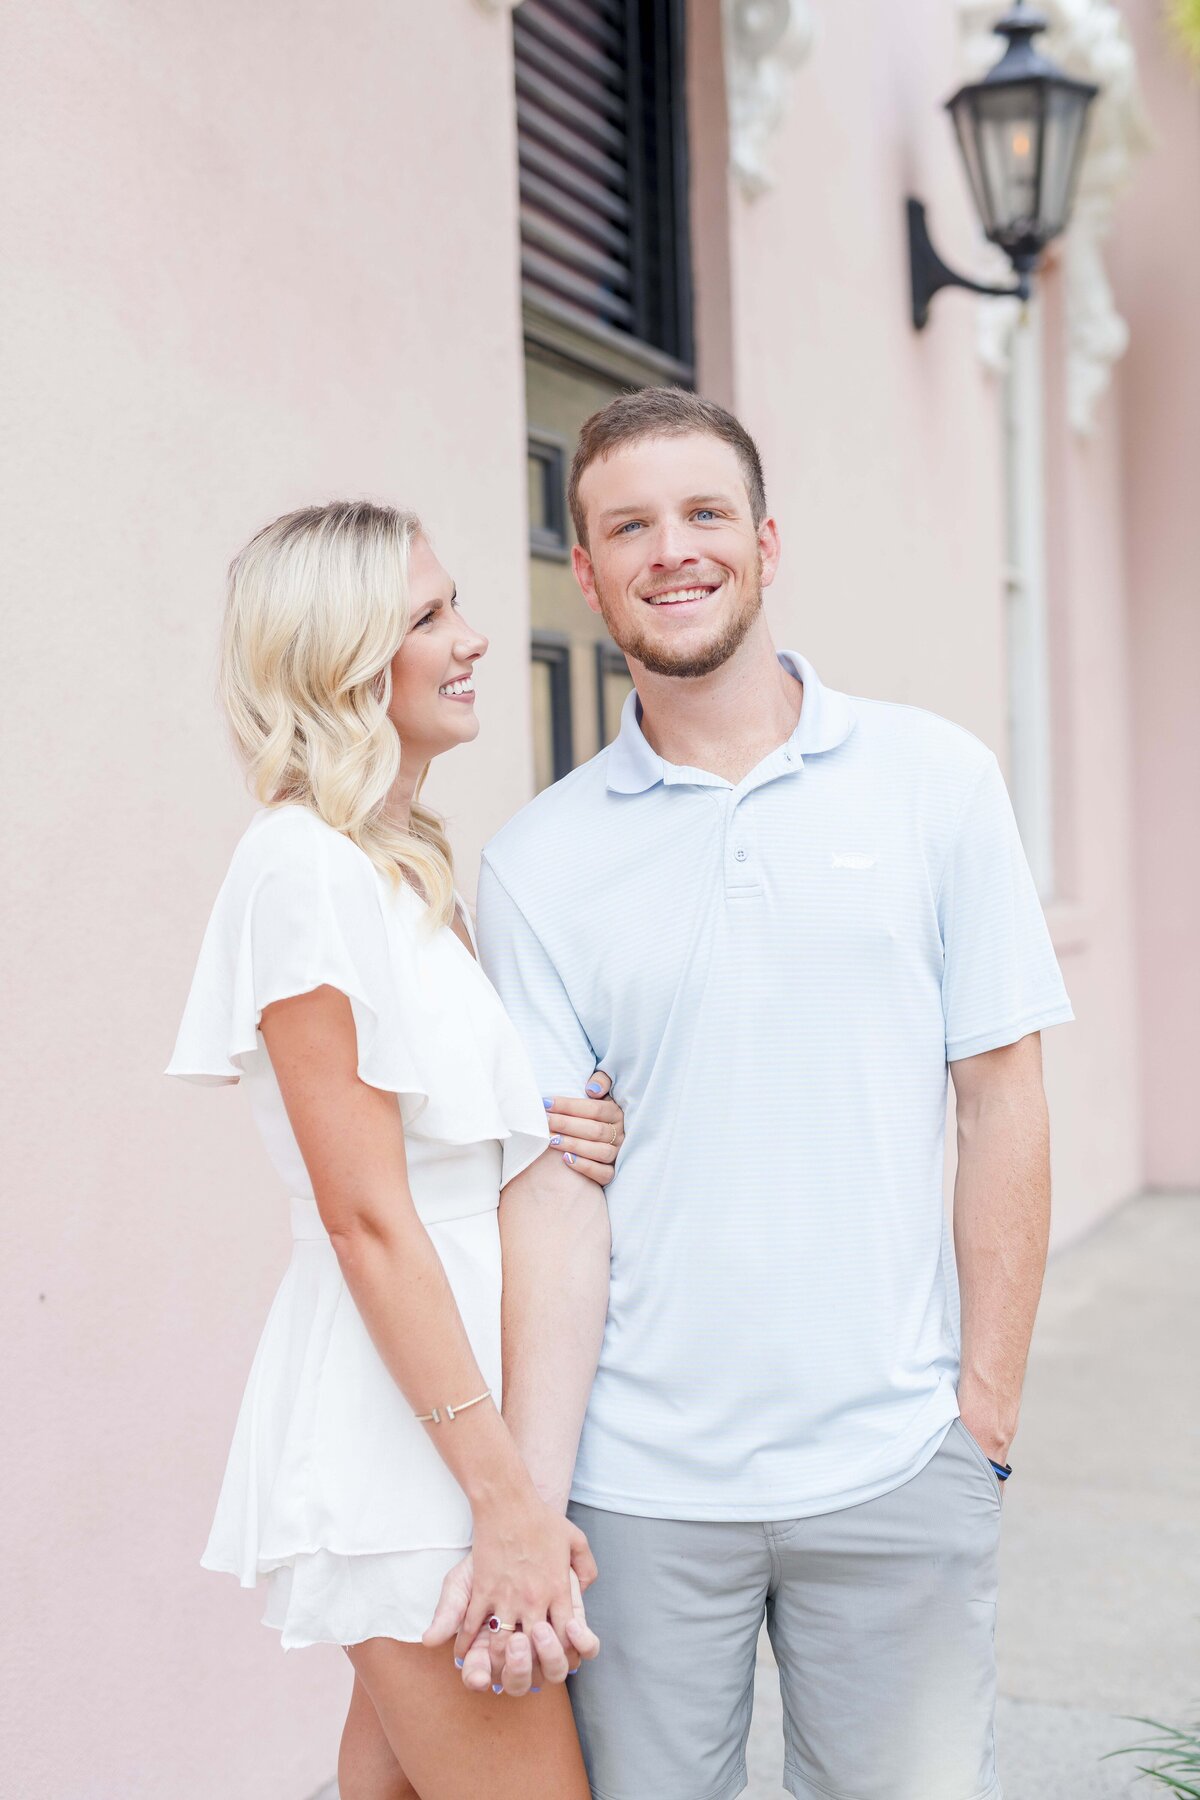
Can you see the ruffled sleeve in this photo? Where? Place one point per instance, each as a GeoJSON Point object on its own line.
{"type": "Point", "coordinates": [301, 908]}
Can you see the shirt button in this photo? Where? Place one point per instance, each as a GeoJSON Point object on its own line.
{"type": "Point", "coordinates": [787, 756]}
{"type": "Point", "coordinates": [739, 856]}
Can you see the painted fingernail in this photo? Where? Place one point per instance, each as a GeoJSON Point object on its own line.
{"type": "Point", "coordinates": [458, 1662]}
{"type": "Point", "coordinates": [497, 1690]}
{"type": "Point", "coordinates": [535, 1690]}
{"type": "Point", "coordinates": [555, 1141]}
{"type": "Point", "coordinates": [569, 1158]}
{"type": "Point", "coordinates": [548, 1102]}
{"type": "Point", "coordinates": [595, 1088]}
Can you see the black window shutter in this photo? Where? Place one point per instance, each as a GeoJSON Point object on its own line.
{"type": "Point", "coordinates": [603, 165]}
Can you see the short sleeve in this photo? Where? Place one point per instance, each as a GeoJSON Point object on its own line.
{"type": "Point", "coordinates": [1000, 979]}
{"type": "Point", "coordinates": [531, 988]}
{"type": "Point", "coordinates": [299, 909]}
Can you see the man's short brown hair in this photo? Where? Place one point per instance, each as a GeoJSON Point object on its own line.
{"type": "Point", "coordinates": [662, 412]}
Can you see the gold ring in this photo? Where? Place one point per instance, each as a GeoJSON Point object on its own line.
{"type": "Point", "coordinates": [495, 1624]}
{"type": "Point", "coordinates": [614, 1136]}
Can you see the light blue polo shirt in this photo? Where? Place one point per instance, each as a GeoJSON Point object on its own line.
{"type": "Point", "coordinates": [775, 975]}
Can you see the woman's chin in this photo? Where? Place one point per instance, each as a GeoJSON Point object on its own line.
{"type": "Point", "coordinates": [466, 733]}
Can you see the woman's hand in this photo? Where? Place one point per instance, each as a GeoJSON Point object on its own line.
{"type": "Point", "coordinates": [524, 1670]}
{"type": "Point", "coordinates": [523, 1556]}
{"type": "Point", "coordinates": [588, 1132]}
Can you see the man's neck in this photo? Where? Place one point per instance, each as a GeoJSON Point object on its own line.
{"type": "Point", "coordinates": [726, 722]}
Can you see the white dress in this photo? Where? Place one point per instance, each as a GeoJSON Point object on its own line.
{"type": "Point", "coordinates": [333, 1491]}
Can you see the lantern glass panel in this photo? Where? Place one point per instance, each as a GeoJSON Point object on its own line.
{"type": "Point", "coordinates": [1008, 131]}
{"type": "Point", "coordinates": [1066, 117]}
{"type": "Point", "coordinates": [964, 126]}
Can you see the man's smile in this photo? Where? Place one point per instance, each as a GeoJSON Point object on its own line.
{"type": "Point", "coordinates": [694, 595]}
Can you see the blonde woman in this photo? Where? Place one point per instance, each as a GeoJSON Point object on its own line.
{"type": "Point", "coordinates": [338, 979]}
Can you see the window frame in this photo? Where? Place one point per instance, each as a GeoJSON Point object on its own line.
{"type": "Point", "coordinates": [609, 661]}
{"type": "Point", "coordinates": [553, 648]}
{"type": "Point", "coordinates": [551, 541]}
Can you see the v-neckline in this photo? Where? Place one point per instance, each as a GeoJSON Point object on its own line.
{"type": "Point", "coordinates": [460, 906]}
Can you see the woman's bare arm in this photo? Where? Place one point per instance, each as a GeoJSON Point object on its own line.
{"type": "Point", "coordinates": [352, 1140]}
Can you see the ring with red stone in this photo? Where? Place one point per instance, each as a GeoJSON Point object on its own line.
{"type": "Point", "coordinates": [495, 1624]}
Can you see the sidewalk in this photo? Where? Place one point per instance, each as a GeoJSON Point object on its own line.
{"type": "Point", "coordinates": [1100, 1566]}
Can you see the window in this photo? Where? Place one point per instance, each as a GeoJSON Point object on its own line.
{"type": "Point", "coordinates": [613, 684]}
{"type": "Point", "coordinates": [548, 496]}
{"type": "Point", "coordinates": [552, 735]}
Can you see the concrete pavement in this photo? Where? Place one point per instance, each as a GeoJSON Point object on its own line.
{"type": "Point", "coordinates": [1100, 1565]}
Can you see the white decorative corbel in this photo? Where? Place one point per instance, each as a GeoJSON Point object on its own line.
{"type": "Point", "coordinates": [764, 41]}
{"type": "Point", "coordinates": [1088, 39]}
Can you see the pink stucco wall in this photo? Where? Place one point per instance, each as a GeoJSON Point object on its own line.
{"type": "Point", "coordinates": [253, 255]}
{"type": "Point", "coordinates": [882, 451]}
{"type": "Point", "coordinates": [256, 255]}
{"type": "Point", "coordinates": [1156, 264]}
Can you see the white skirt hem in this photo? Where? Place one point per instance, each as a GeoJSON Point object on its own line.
{"type": "Point", "coordinates": [321, 1597]}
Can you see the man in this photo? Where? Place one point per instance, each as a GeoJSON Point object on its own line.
{"type": "Point", "coordinates": [774, 915]}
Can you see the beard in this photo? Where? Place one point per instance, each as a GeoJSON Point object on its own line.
{"type": "Point", "coordinates": [701, 659]}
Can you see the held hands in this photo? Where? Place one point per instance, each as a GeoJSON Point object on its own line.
{"type": "Point", "coordinates": [517, 1661]}
{"type": "Point", "coordinates": [530, 1565]}
{"type": "Point", "coordinates": [587, 1132]}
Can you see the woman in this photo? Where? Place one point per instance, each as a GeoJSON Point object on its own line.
{"type": "Point", "coordinates": [338, 978]}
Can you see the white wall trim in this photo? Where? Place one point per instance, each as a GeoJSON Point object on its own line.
{"type": "Point", "coordinates": [1088, 38]}
{"type": "Point", "coordinates": [765, 41]}
{"type": "Point", "coordinates": [1030, 742]}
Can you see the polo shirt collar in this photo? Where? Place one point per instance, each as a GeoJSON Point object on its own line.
{"type": "Point", "coordinates": [826, 720]}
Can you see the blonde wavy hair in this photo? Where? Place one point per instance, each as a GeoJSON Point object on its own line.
{"type": "Point", "coordinates": [318, 605]}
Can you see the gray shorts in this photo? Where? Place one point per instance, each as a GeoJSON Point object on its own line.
{"type": "Point", "coordinates": [882, 1619]}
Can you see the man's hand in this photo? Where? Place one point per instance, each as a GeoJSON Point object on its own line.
{"type": "Point", "coordinates": [529, 1658]}
{"type": "Point", "coordinates": [983, 1422]}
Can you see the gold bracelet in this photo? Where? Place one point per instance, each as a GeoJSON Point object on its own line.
{"type": "Point", "coordinates": [435, 1417]}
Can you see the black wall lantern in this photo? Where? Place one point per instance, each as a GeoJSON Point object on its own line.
{"type": "Point", "coordinates": [1021, 133]}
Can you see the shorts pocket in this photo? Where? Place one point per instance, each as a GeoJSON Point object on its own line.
{"type": "Point", "coordinates": [982, 1458]}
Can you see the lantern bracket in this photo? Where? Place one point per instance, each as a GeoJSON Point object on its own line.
{"type": "Point", "coordinates": [930, 274]}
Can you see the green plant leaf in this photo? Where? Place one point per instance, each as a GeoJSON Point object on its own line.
{"type": "Point", "coordinates": [1176, 1752]}
{"type": "Point", "coordinates": [1183, 17]}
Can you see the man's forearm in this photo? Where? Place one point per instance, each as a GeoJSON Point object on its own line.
{"type": "Point", "coordinates": [1001, 1229]}
{"type": "Point", "coordinates": [555, 1239]}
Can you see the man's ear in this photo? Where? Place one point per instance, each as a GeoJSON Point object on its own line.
{"type": "Point", "coordinates": [770, 549]}
{"type": "Point", "coordinates": [585, 575]}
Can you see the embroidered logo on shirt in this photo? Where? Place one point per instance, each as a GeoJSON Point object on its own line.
{"type": "Point", "coordinates": [849, 859]}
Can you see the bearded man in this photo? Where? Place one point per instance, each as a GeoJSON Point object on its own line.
{"type": "Point", "coordinates": [776, 915]}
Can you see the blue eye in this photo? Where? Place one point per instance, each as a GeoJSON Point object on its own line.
{"type": "Point", "coordinates": [705, 512]}
{"type": "Point", "coordinates": [630, 525]}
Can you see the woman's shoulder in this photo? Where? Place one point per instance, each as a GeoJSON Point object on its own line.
{"type": "Point", "coordinates": [292, 841]}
